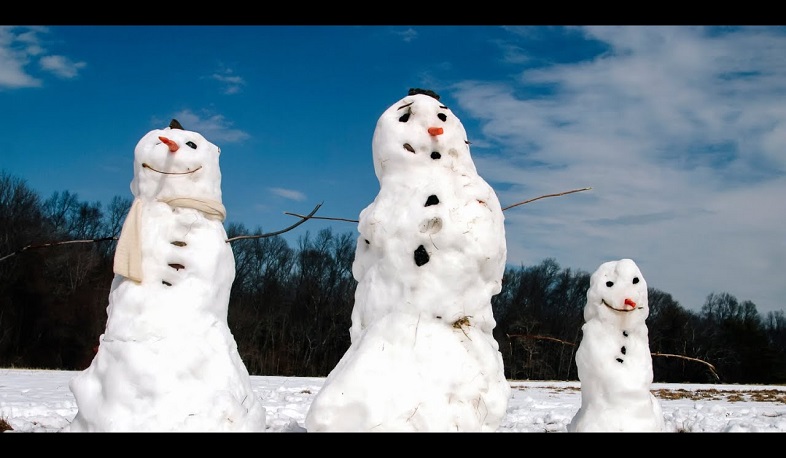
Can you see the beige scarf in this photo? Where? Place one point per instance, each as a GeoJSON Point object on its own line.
{"type": "Point", "coordinates": [128, 254]}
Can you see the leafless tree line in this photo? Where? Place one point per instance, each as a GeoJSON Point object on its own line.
{"type": "Point", "coordinates": [290, 307]}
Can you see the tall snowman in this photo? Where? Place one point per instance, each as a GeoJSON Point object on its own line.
{"type": "Point", "coordinates": [167, 360]}
{"type": "Point", "coordinates": [430, 255]}
{"type": "Point", "coordinates": [613, 360]}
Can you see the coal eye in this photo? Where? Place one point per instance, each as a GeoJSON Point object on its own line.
{"type": "Point", "coordinates": [609, 284]}
{"type": "Point", "coordinates": [405, 116]}
{"type": "Point", "coordinates": [442, 117]}
{"type": "Point", "coordinates": [635, 280]}
{"type": "Point", "coordinates": [191, 144]}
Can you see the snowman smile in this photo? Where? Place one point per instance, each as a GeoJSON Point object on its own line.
{"type": "Point", "coordinates": [619, 310]}
{"type": "Point", "coordinates": [147, 166]}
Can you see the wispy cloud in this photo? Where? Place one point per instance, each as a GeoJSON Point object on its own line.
{"type": "Point", "coordinates": [61, 66]}
{"type": "Point", "coordinates": [231, 83]}
{"type": "Point", "coordinates": [20, 47]}
{"type": "Point", "coordinates": [667, 125]}
{"type": "Point", "coordinates": [212, 126]}
{"type": "Point", "coordinates": [15, 55]}
{"type": "Point", "coordinates": [407, 35]}
{"type": "Point", "coordinates": [288, 194]}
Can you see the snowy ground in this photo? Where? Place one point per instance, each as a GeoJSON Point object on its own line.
{"type": "Point", "coordinates": [40, 401]}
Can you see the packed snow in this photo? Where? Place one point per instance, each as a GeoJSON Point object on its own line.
{"type": "Point", "coordinates": [167, 360]}
{"type": "Point", "coordinates": [430, 256]}
{"type": "Point", "coordinates": [40, 401]}
{"type": "Point", "coordinates": [613, 360]}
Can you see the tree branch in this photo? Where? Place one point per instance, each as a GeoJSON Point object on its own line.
{"type": "Point", "coordinates": [712, 368]}
{"type": "Point", "coordinates": [543, 197]}
{"type": "Point", "coordinates": [270, 234]}
{"type": "Point", "coordinates": [105, 239]}
{"type": "Point", "coordinates": [553, 339]}
{"type": "Point", "coordinates": [506, 208]}
{"type": "Point", "coordinates": [50, 244]}
{"type": "Point", "coordinates": [303, 219]}
{"type": "Point", "coordinates": [668, 355]}
{"type": "Point", "coordinates": [323, 217]}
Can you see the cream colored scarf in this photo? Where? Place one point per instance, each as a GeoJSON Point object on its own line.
{"type": "Point", "coordinates": [128, 254]}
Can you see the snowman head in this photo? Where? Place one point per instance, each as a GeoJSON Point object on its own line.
{"type": "Point", "coordinates": [418, 131]}
{"type": "Point", "coordinates": [174, 162]}
{"type": "Point", "coordinates": [617, 294]}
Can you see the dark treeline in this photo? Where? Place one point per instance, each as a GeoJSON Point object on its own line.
{"type": "Point", "coordinates": [290, 307]}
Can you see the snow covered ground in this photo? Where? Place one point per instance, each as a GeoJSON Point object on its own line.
{"type": "Point", "coordinates": [40, 401]}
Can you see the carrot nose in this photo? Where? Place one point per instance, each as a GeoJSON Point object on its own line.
{"type": "Point", "coordinates": [434, 131]}
{"type": "Point", "coordinates": [171, 144]}
{"type": "Point", "coordinates": [630, 302]}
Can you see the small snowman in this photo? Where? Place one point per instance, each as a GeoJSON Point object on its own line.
{"type": "Point", "coordinates": [167, 360]}
{"type": "Point", "coordinates": [430, 255]}
{"type": "Point", "coordinates": [613, 359]}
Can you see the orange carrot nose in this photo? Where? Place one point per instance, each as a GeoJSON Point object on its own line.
{"type": "Point", "coordinates": [172, 145]}
{"type": "Point", "coordinates": [630, 302]}
{"type": "Point", "coordinates": [434, 131]}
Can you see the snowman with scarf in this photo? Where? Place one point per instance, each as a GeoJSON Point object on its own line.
{"type": "Point", "coordinates": [167, 360]}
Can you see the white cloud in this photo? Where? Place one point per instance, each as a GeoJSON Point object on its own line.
{"type": "Point", "coordinates": [678, 130]}
{"type": "Point", "coordinates": [212, 126]}
{"type": "Point", "coordinates": [288, 194]}
{"type": "Point", "coordinates": [61, 66]}
{"type": "Point", "coordinates": [19, 46]}
{"type": "Point", "coordinates": [232, 84]}
{"type": "Point", "coordinates": [13, 60]}
{"type": "Point", "coordinates": [407, 35]}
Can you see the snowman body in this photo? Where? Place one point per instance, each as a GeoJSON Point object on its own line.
{"type": "Point", "coordinates": [167, 360]}
{"type": "Point", "coordinates": [435, 221]}
{"type": "Point", "coordinates": [613, 360]}
{"type": "Point", "coordinates": [430, 255]}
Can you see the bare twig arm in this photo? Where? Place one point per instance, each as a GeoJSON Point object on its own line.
{"type": "Point", "coordinates": [669, 355]}
{"type": "Point", "coordinates": [51, 244]}
{"type": "Point", "coordinates": [104, 239]}
{"type": "Point", "coordinates": [506, 208]}
{"type": "Point", "coordinates": [537, 337]}
{"type": "Point", "coordinates": [547, 195]}
{"type": "Point", "coordinates": [303, 218]}
{"type": "Point", "coordinates": [270, 234]}
{"type": "Point", "coordinates": [323, 217]}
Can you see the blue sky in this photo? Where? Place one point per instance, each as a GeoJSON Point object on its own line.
{"type": "Point", "coordinates": [679, 131]}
